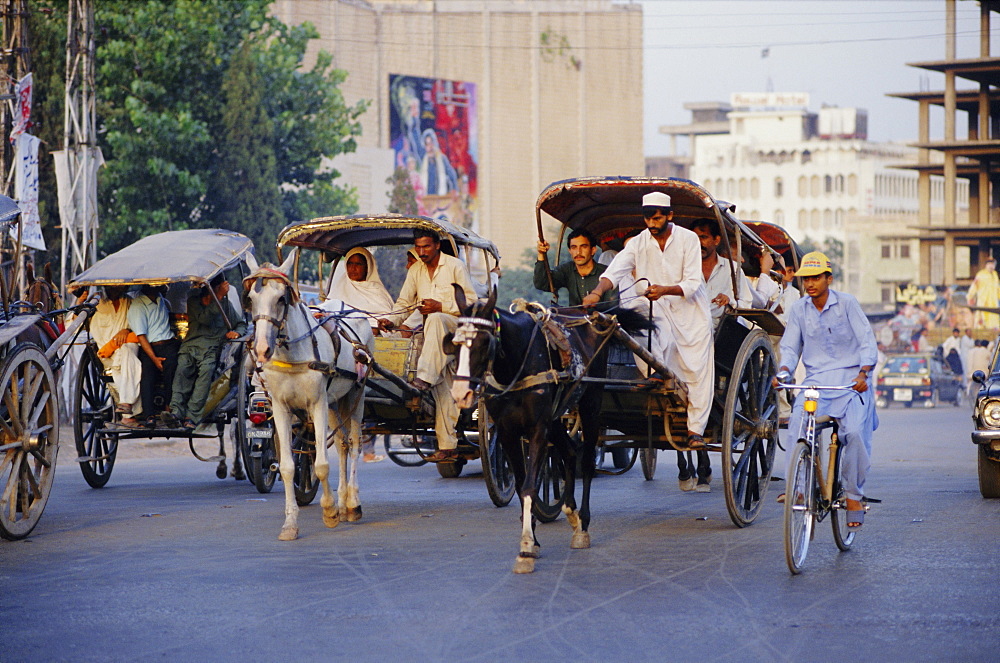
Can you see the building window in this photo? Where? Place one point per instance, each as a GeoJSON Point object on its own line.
{"type": "Point", "coordinates": [803, 218]}
{"type": "Point", "coordinates": [827, 184]}
{"type": "Point", "coordinates": [803, 186]}
{"type": "Point", "coordinates": [852, 185]}
{"type": "Point", "coordinates": [730, 189]}
{"type": "Point", "coordinates": [814, 219]}
{"type": "Point", "coordinates": [814, 186]}
{"type": "Point", "coordinates": [779, 217]}
{"type": "Point", "coordinates": [838, 218]}
{"type": "Point", "coordinates": [743, 188]}
{"type": "Point", "coordinates": [838, 184]}
{"type": "Point", "coordinates": [778, 187]}
{"type": "Point", "coordinates": [754, 187]}
{"type": "Point", "coordinates": [827, 219]}
{"type": "Point", "coordinates": [904, 250]}
{"type": "Point", "coordinates": [886, 251]}
{"type": "Point", "coordinates": [887, 294]}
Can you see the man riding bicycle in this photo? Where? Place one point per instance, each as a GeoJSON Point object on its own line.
{"type": "Point", "coordinates": [829, 332]}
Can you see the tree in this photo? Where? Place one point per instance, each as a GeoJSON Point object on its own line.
{"type": "Point", "coordinates": [245, 187]}
{"type": "Point", "coordinates": [161, 65]}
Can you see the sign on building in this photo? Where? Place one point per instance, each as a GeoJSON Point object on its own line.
{"type": "Point", "coordinates": [432, 130]}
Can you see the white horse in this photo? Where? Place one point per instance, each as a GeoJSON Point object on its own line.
{"type": "Point", "coordinates": [318, 377]}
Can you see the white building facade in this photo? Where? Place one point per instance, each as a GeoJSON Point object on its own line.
{"type": "Point", "coordinates": [817, 175]}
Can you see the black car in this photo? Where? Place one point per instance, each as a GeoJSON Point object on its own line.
{"type": "Point", "coordinates": [986, 437]}
{"type": "Point", "coordinates": [918, 377]}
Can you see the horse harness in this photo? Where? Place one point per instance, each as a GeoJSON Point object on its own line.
{"type": "Point", "coordinates": [555, 332]}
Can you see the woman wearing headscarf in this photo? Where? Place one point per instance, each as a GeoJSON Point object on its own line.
{"type": "Point", "coordinates": [356, 284]}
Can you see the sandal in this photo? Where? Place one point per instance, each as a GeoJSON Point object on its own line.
{"type": "Point", "coordinates": [443, 456]}
{"type": "Point", "coordinates": [781, 499]}
{"type": "Point", "coordinates": [374, 458]}
{"type": "Point", "coordinates": [188, 424]}
{"type": "Point", "coordinates": [696, 442]}
{"type": "Point", "coordinates": [855, 517]}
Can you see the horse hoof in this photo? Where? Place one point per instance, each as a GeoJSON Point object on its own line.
{"type": "Point", "coordinates": [220, 471]}
{"type": "Point", "coordinates": [687, 485]}
{"type": "Point", "coordinates": [354, 514]}
{"type": "Point", "coordinates": [581, 540]}
{"type": "Point", "coordinates": [239, 476]}
{"type": "Point", "coordinates": [524, 565]}
{"type": "Point", "coordinates": [331, 519]}
{"type": "Point", "coordinates": [288, 534]}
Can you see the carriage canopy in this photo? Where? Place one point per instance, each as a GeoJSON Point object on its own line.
{"type": "Point", "coordinates": [610, 208]}
{"type": "Point", "coordinates": [169, 257]}
{"type": "Point", "coordinates": [336, 235]}
{"type": "Point", "coordinates": [9, 209]}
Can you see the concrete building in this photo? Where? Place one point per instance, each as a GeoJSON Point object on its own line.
{"type": "Point", "coordinates": [542, 85]}
{"type": "Point", "coordinates": [951, 160]}
{"type": "Point", "coordinates": [817, 175]}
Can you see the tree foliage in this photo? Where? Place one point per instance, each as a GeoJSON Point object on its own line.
{"type": "Point", "coordinates": [160, 70]}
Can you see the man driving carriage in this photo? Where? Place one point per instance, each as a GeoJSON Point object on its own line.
{"type": "Point", "coordinates": [429, 288]}
{"type": "Point", "coordinates": [666, 253]}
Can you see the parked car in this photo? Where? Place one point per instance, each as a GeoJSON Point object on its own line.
{"type": "Point", "coordinates": [986, 437]}
{"type": "Point", "coordinates": [920, 378]}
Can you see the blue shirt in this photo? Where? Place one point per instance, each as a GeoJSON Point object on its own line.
{"type": "Point", "coordinates": [836, 340]}
{"type": "Point", "coordinates": [149, 318]}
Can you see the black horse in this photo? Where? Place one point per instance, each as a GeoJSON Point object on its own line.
{"type": "Point", "coordinates": [530, 377]}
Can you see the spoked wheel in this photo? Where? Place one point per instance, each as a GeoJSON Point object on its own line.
{"type": "Point", "coordinates": [843, 536]}
{"type": "Point", "coordinates": [551, 486]}
{"type": "Point", "coordinates": [29, 431]}
{"type": "Point", "coordinates": [749, 429]}
{"type": "Point", "coordinates": [496, 470]}
{"type": "Point", "coordinates": [96, 446]}
{"type": "Point", "coordinates": [304, 457]}
{"type": "Point", "coordinates": [243, 390]}
{"type": "Point", "coordinates": [799, 500]}
{"type": "Point", "coordinates": [647, 457]}
{"type": "Point", "coordinates": [403, 451]}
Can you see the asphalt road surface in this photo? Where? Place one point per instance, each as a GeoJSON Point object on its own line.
{"type": "Point", "coordinates": [169, 563]}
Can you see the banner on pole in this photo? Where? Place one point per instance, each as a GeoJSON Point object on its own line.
{"type": "Point", "coordinates": [76, 186]}
{"type": "Point", "coordinates": [22, 112]}
{"type": "Point", "coordinates": [26, 191]}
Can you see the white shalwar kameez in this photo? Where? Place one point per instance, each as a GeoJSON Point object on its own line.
{"type": "Point", "coordinates": [123, 364]}
{"type": "Point", "coordinates": [683, 340]}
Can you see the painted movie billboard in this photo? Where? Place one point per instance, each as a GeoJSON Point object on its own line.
{"type": "Point", "coordinates": [432, 129]}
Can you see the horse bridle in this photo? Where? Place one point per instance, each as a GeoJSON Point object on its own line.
{"type": "Point", "coordinates": [469, 327]}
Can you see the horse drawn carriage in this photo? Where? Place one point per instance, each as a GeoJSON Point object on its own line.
{"type": "Point", "coordinates": [177, 262]}
{"type": "Point", "coordinates": [32, 349]}
{"type": "Point", "coordinates": [650, 414]}
{"type": "Point", "coordinates": [393, 409]}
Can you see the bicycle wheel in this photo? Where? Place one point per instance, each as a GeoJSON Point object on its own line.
{"type": "Point", "coordinates": [841, 535]}
{"type": "Point", "coordinates": [799, 500]}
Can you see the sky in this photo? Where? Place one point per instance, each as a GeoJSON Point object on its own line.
{"type": "Point", "coordinates": [841, 52]}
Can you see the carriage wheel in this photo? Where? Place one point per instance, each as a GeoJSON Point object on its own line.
{"type": "Point", "coordinates": [304, 457]}
{"type": "Point", "coordinates": [96, 446]}
{"type": "Point", "coordinates": [406, 454]}
{"type": "Point", "coordinates": [749, 429]}
{"type": "Point", "coordinates": [496, 470]}
{"type": "Point", "coordinates": [29, 431]}
{"type": "Point", "coordinates": [647, 457]}
{"type": "Point", "coordinates": [551, 486]}
{"type": "Point", "coordinates": [263, 456]}
{"type": "Point", "coordinates": [243, 389]}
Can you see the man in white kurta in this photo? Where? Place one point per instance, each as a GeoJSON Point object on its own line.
{"type": "Point", "coordinates": [670, 257]}
{"type": "Point", "coordinates": [110, 322]}
{"type": "Point", "coordinates": [718, 273]}
{"type": "Point", "coordinates": [428, 286]}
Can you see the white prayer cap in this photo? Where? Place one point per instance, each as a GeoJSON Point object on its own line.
{"type": "Point", "coordinates": [656, 199]}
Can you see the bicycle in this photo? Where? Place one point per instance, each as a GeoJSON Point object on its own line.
{"type": "Point", "coordinates": [810, 493]}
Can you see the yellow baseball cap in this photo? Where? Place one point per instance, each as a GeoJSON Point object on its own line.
{"type": "Point", "coordinates": [814, 264]}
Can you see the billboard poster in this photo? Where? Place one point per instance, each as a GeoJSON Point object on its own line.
{"type": "Point", "coordinates": [432, 130]}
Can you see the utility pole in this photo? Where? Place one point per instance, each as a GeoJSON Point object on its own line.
{"type": "Point", "coordinates": [16, 63]}
{"type": "Point", "coordinates": [76, 165]}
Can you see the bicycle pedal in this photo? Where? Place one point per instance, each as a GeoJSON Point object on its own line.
{"type": "Point", "coordinates": [871, 500]}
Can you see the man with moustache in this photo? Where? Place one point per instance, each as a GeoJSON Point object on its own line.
{"type": "Point", "coordinates": [428, 287]}
{"type": "Point", "coordinates": [718, 273]}
{"type": "Point", "coordinates": [669, 256]}
{"type": "Point", "coordinates": [579, 275]}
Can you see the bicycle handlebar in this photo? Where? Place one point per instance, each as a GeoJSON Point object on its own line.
{"type": "Point", "coordinates": [844, 387]}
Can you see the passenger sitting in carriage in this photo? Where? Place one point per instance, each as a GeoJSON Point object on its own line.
{"type": "Point", "coordinates": [718, 273]}
{"type": "Point", "coordinates": [118, 349]}
{"type": "Point", "coordinates": [356, 284]}
{"type": "Point", "coordinates": [199, 352]}
{"type": "Point", "coordinates": [579, 275]}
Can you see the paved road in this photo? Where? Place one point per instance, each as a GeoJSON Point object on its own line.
{"type": "Point", "coordinates": [427, 574]}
